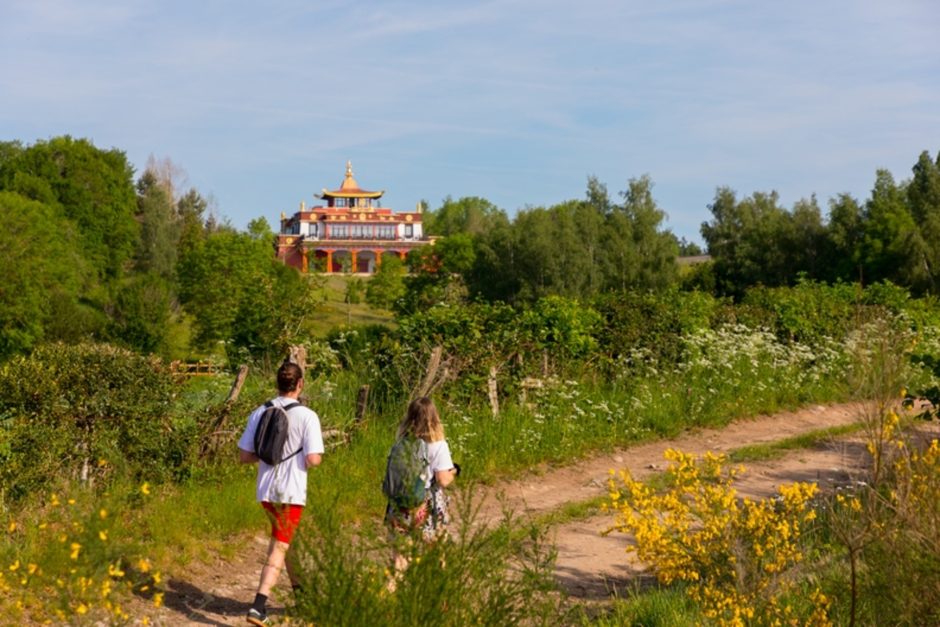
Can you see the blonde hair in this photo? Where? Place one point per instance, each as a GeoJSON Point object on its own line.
{"type": "Point", "coordinates": [422, 421]}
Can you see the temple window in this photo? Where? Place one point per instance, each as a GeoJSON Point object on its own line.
{"type": "Point", "coordinates": [409, 230]}
{"type": "Point", "coordinates": [339, 231]}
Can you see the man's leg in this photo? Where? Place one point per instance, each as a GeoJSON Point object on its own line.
{"type": "Point", "coordinates": [284, 520]}
{"type": "Point", "coordinates": [277, 552]}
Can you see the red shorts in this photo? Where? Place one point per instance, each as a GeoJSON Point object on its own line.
{"type": "Point", "coordinates": [284, 519]}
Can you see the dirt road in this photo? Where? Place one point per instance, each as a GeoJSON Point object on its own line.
{"type": "Point", "coordinates": [589, 565]}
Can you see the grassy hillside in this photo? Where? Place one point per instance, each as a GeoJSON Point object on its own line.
{"type": "Point", "coordinates": [335, 311]}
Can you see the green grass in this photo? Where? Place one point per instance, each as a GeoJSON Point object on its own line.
{"type": "Point", "coordinates": [335, 312]}
{"type": "Point", "coordinates": [776, 450]}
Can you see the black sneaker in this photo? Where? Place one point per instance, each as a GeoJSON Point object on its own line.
{"type": "Point", "coordinates": [257, 618]}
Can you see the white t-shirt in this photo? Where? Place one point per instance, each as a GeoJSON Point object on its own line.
{"type": "Point", "coordinates": [286, 482]}
{"type": "Point", "coordinates": [438, 459]}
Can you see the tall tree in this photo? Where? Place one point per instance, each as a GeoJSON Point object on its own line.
{"type": "Point", "coordinates": [846, 232]}
{"type": "Point", "coordinates": [159, 228]}
{"type": "Point", "coordinates": [471, 214]}
{"type": "Point", "coordinates": [888, 229]}
{"type": "Point", "coordinates": [42, 274]}
{"type": "Point", "coordinates": [923, 196]}
{"type": "Point", "coordinates": [92, 187]}
{"type": "Point", "coordinates": [656, 249]}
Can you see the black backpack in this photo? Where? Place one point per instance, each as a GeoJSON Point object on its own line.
{"type": "Point", "coordinates": [271, 434]}
{"type": "Point", "coordinates": [404, 484]}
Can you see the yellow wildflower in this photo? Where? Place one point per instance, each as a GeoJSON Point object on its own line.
{"type": "Point", "coordinates": [158, 599]}
{"type": "Point", "coordinates": [76, 548]}
{"type": "Point", "coordinates": [81, 609]}
{"type": "Point", "coordinates": [145, 488]}
{"type": "Point", "coordinates": [102, 513]}
{"type": "Point", "coordinates": [14, 566]}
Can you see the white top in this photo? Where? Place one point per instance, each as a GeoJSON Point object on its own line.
{"type": "Point", "coordinates": [286, 482]}
{"type": "Point", "coordinates": [438, 459]}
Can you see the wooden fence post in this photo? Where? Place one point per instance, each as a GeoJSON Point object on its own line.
{"type": "Point", "coordinates": [493, 392]}
{"type": "Point", "coordinates": [362, 402]}
{"type": "Point", "coordinates": [237, 385]}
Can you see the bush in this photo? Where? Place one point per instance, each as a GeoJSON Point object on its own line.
{"type": "Point", "coordinates": [482, 575]}
{"type": "Point", "coordinates": [80, 412]}
{"type": "Point", "coordinates": [736, 557]}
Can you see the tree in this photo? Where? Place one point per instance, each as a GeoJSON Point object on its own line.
{"type": "Point", "coordinates": [387, 285]}
{"type": "Point", "coordinates": [888, 229]}
{"type": "Point", "coordinates": [846, 232]}
{"type": "Point", "coordinates": [656, 249]}
{"type": "Point", "coordinates": [41, 273]}
{"type": "Point", "coordinates": [471, 215]}
{"type": "Point", "coordinates": [923, 197]}
{"type": "Point", "coordinates": [159, 228]}
{"type": "Point", "coordinates": [92, 187]}
{"type": "Point", "coordinates": [141, 313]}
{"type": "Point", "coordinates": [689, 249]}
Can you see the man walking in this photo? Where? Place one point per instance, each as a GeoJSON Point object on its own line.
{"type": "Point", "coordinates": [282, 488]}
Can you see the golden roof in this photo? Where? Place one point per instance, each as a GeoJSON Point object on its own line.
{"type": "Point", "coordinates": [350, 188]}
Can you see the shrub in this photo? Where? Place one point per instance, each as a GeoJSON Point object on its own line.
{"type": "Point", "coordinates": [80, 412]}
{"type": "Point", "coordinates": [736, 557]}
{"type": "Point", "coordinates": [73, 561]}
{"type": "Point", "coordinates": [481, 575]}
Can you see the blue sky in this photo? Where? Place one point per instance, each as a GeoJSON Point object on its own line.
{"type": "Point", "coordinates": [517, 101]}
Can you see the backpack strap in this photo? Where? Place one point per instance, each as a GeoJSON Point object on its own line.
{"type": "Point", "coordinates": [286, 408]}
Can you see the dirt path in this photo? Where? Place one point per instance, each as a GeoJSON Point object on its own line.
{"type": "Point", "coordinates": [589, 565]}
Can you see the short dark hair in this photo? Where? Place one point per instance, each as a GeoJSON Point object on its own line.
{"type": "Point", "coordinates": [288, 375]}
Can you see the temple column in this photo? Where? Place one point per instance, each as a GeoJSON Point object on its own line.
{"type": "Point", "coordinates": [402, 254]}
{"type": "Point", "coordinates": [378, 259]}
{"type": "Point", "coordinates": [304, 262]}
{"type": "Point", "coordinates": [329, 261]}
{"type": "Point", "coordinates": [353, 267]}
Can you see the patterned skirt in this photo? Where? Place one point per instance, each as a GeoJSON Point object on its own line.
{"type": "Point", "coordinates": [430, 518]}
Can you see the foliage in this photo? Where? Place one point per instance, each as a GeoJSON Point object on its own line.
{"type": "Point", "coordinates": [87, 412]}
{"type": "Point", "coordinates": [89, 186]}
{"type": "Point", "coordinates": [41, 273]}
{"type": "Point", "coordinates": [887, 237]}
{"type": "Point", "coordinates": [480, 575]}
{"type": "Point", "coordinates": [387, 285]}
{"type": "Point", "coordinates": [74, 563]}
{"type": "Point", "coordinates": [737, 557]}
{"type": "Point", "coordinates": [238, 293]}
{"type": "Point", "coordinates": [141, 313]}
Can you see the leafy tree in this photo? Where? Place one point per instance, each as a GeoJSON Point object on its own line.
{"type": "Point", "coordinates": [755, 241]}
{"type": "Point", "coordinates": [159, 229]}
{"type": "Point", "coordinates": [846, 232]}
{"type": "Point", "coordinates": [689, 249]}
{"type": "Point", "coordinates": [272, 315]}
{"type": "Point", "coordinates": [217, 277]}
{"type": "Point", "coordinates": [41, 272]}
{"type": "Point", "coordinates": [923, 197]}
{"type": "Point", "coordinates": [656, 249]}
{"type": "Point", "coordinates": [92, 187]}
{"type": "Point", "coordinates": [886, 253]}
{"type": "Point", "coordinates": [471, 215]}
{"type": "Point", "coordinates": [141, 313]}
{"type": "Point", "coordinates": [387, 285]}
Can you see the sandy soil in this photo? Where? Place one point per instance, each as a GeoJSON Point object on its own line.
{"type": "Point", "coordinates": [589, 565]}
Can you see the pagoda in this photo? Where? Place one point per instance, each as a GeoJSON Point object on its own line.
{"type": "Point", "coordinates": [349, 231]}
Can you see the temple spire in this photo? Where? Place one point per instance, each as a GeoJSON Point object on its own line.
{"type": "Point", "coordinates": [349, 182]}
